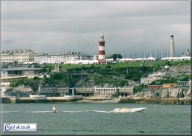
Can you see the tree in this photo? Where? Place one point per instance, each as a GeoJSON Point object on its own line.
{"type": "Point", "coordinates": [115, 56]}
{"type": "Point", "coordinates": [186, 78]}
{"type": "Point", "coordinates": [15, 63]}
{"type": "Point", "coordinates": [138, 88]}
{"type": "Point", "coordinates": [44, 70]}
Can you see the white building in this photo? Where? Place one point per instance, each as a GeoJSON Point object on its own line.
{"type": "Point", "coordinates": [151, 78]}
{"type": "Point", "coordinates": [137, 59]}
{"type": "Point", "coordinates": [113, 90]}
{"type": "Point", "coordinates": [185, 58]}
{"type": "Point", "coordinates": [126, 60]}
{"type": "Point", "coordinates": [170, 58]}
{"type": "Point", "coordinates": [177, 58]}
{"type": "Point", "coordinates": [18, 55]}
{"type": "Point", "coordinates": [59, 58]}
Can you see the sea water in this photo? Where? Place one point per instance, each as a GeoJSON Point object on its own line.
{"type": "Point", "coordinates": [95, 118]}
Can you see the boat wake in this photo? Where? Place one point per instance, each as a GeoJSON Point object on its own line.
{"type": "Point", "coordinates": [101, 111]}
{"type": "Point", "coordinates": [87, 111]}
{"type": "Point", "coordinates": [116, 110]}
{"type": "Point", "coordinates": [57, 111]}
{"type": "Point", "coordinates": [9, 111]}
{"type": "Point", "coordinates": [72, 111]}
{"type": "Point", "coordinates": [37, 111]}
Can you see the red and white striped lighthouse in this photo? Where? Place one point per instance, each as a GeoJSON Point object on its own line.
{"type": "Point", "coordinates": [101, 58]}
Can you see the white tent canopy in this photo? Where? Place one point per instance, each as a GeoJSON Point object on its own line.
{"type": "Point", "coordinates": [151, 58]}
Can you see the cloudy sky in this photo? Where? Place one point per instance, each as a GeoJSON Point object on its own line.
{"type": "Point", "coordinates": [129, 27]}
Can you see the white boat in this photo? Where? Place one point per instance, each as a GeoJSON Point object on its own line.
{"type": "Point", "coordinates": [123, 110]}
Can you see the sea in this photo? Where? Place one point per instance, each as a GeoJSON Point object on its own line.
{"type": "Point", "coordinates": [96, 119]}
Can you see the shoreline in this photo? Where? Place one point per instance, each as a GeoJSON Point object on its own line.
{"type": "Point", "coordinates": [171, 101]}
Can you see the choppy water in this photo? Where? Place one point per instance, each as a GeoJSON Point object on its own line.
{"type": "Point", "coordinates": [76, 118]}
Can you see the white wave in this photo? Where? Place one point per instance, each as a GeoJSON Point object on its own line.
{"type": "Point", "coordinates": [61, 111]}
{"type": "Point", "coordinates": [37, 111]}
{"type": "Point", "coordinates": [72, 111]}
{"type": "Point", "coordinates": [88, 111]}
{"type": "Point", "coordinates": [69, 111]}
{"type": "Point", "coordinates": [8, 111]}
{"type": "Point", "coordinates": [101, 111]}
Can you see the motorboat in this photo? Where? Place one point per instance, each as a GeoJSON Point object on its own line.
{"type": "Point", "coordinates": [123, 110]}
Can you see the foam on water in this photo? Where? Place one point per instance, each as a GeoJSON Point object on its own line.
{"type": "Point", "coordinates": [88, 111]}
{"type": "Point", "coordinates": [37, 111]}
{"type": "Point", "coordinates": [72, 111]}
{"type": "Point", "coordinates": [9, 111]}
{"type": "Point", "coordinates": [101, 111]}
{"type": "Point", "coordinates": [57, 111]}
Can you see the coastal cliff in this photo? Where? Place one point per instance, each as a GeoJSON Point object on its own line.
{"type": "Point", "coordinates": [165, 93]}
{"type": "Point", "coordinates": [161, 96]}
{"type": "Point", "coordinates": [177, 101]}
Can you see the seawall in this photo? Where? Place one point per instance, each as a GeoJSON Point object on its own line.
{"type": "Point", "coordinates": [37, 100]}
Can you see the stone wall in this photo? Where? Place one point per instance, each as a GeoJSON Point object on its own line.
{"type": "Point", "coordinates": [165, 93]}
{"type": "Point", "coordinates": [22, 88]}
{"type": "Point", "coordinates": [176, 101]}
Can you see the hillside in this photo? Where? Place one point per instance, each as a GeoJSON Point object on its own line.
{"type": "Point", "coordinates": [111, 75]}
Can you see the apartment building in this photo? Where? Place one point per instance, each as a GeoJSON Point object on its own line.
{"type": "Point", "coordinates": [21, 56]}
{"type": "Point", "coordinates": [18, 55]}
{"type": "Point", "coordinates": [51, 58]}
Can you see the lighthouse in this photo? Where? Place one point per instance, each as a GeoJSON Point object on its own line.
{"type": "Point", "coordinates": [172, 47]}
{"type": "Point", "coordinates": [101, 58]}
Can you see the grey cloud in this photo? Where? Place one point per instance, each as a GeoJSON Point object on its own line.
{"type": "Point", "coordinates": [128, 26]}
{"type": "Point", "coordinates": [105, 9]}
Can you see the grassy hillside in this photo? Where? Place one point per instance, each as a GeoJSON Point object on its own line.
{"type": "Point", "coordinates": [127, 64]}
{"type": "Point", "coordinates": [115, 74]}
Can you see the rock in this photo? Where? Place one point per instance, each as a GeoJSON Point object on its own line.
{"type": "Point", "coordinates": [188, 94]}
{"type": "Point", "coordinates": [22, 88]}
{"type": "Point", "coordinates": [164, 93]}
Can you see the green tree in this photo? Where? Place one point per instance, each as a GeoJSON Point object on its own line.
{"type": "Point", "coordinates": [138, 88]}
{"type": "Point", "coordinates": [115, 56]}
{"type": "Point", "coordinates": [186, 78]}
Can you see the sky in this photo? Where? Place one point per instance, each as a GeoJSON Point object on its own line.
{"type": "Point", "coordinates": [129, 27]}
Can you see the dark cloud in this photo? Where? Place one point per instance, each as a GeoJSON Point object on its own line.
{"type": "Point", "coordinates": [128, 26]}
